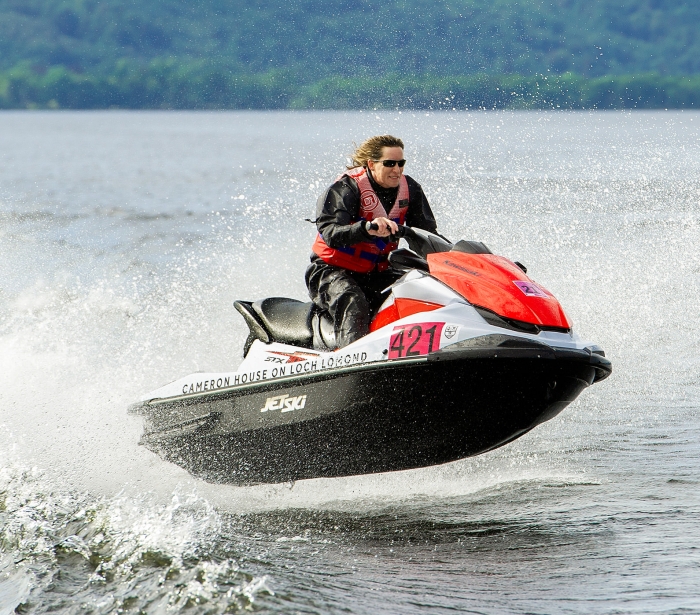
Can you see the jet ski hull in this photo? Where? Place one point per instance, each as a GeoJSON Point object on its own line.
{"type": "Point", "coordinates": [366, 419]}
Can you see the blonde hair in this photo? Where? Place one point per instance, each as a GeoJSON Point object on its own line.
{"type": "Point", "coordinates": [371, 149]}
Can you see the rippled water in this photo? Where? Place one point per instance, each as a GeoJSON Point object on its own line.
{"type": "Point", "coordinates": [125, 238]}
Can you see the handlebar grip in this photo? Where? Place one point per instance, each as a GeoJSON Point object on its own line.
{"type": "Point", "coordinates": [401, 232]}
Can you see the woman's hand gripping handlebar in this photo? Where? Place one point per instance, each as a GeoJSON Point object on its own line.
{"type": "Point", "coordinates": [385, 228]}
{"type": "Point", "coordinates": [382, 227]}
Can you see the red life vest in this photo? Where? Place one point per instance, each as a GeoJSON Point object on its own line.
{"type": "Point", "coordinates": [363, 257]}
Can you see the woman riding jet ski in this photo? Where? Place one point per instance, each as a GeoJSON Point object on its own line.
{"type": "Point", "coordinates": [356, 217]}
{"type": "Point", "coordinates": [465, 354]}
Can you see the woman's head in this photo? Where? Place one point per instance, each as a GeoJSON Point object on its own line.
{"type": "Point", "coordinates": [372, 148]}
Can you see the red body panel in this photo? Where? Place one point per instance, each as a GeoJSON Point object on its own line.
{"type": "Point", "coordinates": [497, 284]}
{"type": "Point", "coordinates": [400, 309]}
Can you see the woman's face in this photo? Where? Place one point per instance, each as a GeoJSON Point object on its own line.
{"type": "Point", "coordinates": [387, 177]}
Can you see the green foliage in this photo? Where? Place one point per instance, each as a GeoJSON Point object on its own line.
{"type": "Point", "coordinates": [339, 54]}
{"type": "Point", "coordinates": [161, 84]}
{"type": "Point", "coordinates": [361, 38]}
{"type": "Point", "coordinates": [168, 85]}
{"type": "Point", "coordinates": [647, 91]}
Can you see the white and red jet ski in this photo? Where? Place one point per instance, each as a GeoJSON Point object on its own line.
{"type": "Point", "coordinates": [466, 354]}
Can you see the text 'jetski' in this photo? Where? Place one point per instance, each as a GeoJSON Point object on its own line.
{"type": "Point", "coordinates": [466, 354]}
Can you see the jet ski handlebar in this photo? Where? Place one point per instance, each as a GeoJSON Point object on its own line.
{"type": "Point", "coordinates": [422, 242]}
{"type": "Point", "coordinates": [404, 231]}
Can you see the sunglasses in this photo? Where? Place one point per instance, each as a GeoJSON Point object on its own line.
{"type": "Point", "coordinates": [392, 163]}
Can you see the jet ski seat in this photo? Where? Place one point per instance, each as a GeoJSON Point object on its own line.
{"type": "Point", "coordinates": [288, 321]}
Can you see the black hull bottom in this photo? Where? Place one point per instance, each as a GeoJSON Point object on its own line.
{"type": "Point", "coordinates": [402, 416]}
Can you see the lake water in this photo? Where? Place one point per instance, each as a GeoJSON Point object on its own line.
{"type": "Point", "coordinates": [126, 236]}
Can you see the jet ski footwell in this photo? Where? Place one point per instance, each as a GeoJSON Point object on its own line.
{"type": "Point", "coordinates": [461, 401]}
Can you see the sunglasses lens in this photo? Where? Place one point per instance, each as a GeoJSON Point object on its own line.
{"type": "Point", "coordinates": [393, 163]}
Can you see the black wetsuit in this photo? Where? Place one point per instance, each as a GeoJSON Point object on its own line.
{"type": "Point", "coordinates": [350, 297]}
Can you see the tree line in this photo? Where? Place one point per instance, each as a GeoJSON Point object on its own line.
{"type": "Point", "coordinates": [167, 84]}
{"type": "Point", "coordinates": [338, 54]}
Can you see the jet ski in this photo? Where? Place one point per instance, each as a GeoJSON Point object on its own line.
{"type": "Point", "coordinates": [466, 354]}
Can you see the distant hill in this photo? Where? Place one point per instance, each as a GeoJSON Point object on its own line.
{"type": "Point", "coordinates": [287, 45]}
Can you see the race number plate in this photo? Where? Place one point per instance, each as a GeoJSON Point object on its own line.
{"type": "Point", "coordinates": [415, 339]}
{"type": "Point", "coordinates": [530, 289]}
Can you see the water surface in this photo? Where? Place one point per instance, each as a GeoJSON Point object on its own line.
{"type": "Point", "coordinates": [124, 239]}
